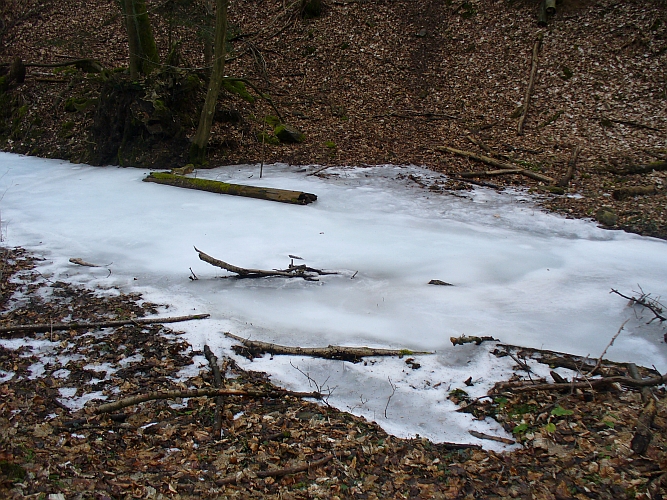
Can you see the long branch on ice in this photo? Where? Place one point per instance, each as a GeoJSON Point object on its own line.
{"type": "Point", "coordinates": [47, 327]}
{"type": "Point", "coordinates": [354, 354]}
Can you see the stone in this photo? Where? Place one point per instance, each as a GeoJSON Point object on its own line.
{"type": "Point", "coordinates": [606, 216]}
{"type": "Point", "coordinates": [287, 133]}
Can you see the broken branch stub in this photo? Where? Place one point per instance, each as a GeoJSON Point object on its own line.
{"type": "Point", "coordinates": [254, 348]}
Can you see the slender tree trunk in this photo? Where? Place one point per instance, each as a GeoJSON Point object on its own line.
{"type": "Point", "coordinates": [143, 50]}
{"type": "Point", "coordinates": [200, 140]}
{"type": "Point", "coordinates": [132, 39]}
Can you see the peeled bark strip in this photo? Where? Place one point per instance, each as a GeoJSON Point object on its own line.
{"type": "Point", "coordinates": [353, 354]}
{"type": "Point", "coordinates": [496, 163]}
{"type": "Point", "coordinates": [531, 84]}
{"type": "Point", "coordinates": [262, 193]}
{"type": "Point", "coordinates": [197, 393]}
{"type": "Point", "coordinates": [45, 327]}
{"type": "Point", "coordinates": [565, 181]}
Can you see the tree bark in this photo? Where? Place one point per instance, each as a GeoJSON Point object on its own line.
{"type": "Point", "coordinates": [200, 140]}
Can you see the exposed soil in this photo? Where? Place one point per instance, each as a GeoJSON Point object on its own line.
{"type": "Point", "coordinates": [385, 82]}
{"type": "Point", "coordinates": [575, 445]}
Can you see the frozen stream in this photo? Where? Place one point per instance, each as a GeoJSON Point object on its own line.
{"type": "Point", "coordinates": [520, 275]}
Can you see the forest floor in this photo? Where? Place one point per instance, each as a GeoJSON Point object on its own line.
{"type": "Point", "coordinates": [575, 443]}
{"type": "Point", "coordinates": [389, 82]}
{"type": "Point", "coordinates": [368, 83]}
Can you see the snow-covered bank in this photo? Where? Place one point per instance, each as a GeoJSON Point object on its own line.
{"type": "Point", "coordinates": [520, 275]}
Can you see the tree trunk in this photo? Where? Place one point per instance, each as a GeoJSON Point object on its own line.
{"type": "Point", "coordinates": [200, 140]}
{"type": "Point", "coordinates": [143, 50]}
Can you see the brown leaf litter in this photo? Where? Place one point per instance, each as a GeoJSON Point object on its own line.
{"type": "Point", "coordinates": [575, 444]}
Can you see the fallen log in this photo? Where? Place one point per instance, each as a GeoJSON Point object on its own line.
{"type": "Point", "coordinates": [46, 327]}
{"type": "Point", "coordinates": [496, 163]}
{"type": "Point", "coordinates": [658, 166]}
{"type": "Point", "coordinates": [531, 83]}
{"type": "Point", "coordinates": [565, 181]}
{"type": "Point", "coordinates": [354, 354]}
{"type": "Point", "coordinates": [305, 272]}
{"type": "Point", "coordinates": [262, 193]}
{"type": "Point", "coordinates": [196, 393]}
{"type": "Point", "coordinates": [597, 383]}
{"type": "Point", "coordinates": [627, 192]}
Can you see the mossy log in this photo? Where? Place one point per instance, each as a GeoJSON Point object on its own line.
{"type": "Point", "coordinates": [254, 348]}
{"type": "Point", "coordinates": [263, 193]}
{"type": "Point", "coordinates": [657, 166]}
{"type": "Point", "coordinates": [627, 192]}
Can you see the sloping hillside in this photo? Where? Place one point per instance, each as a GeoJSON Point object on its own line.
{"type": "Point", "coordinates": [374, 82]}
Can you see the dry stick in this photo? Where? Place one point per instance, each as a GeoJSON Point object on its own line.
{"type": "Point", "coordinates": [570, 168]}
{"type": "Point", "coordinates": [81, 262]}
{"type": "Point", "coordinates": [217, 380]}
{"type": "Point", "coordinates": [643, 435]}
{"type": "Point", "coordinates": [393, 391]}
{"type": "Point", "coordinates": [490, 173]}
{"type": "Point", "coordinates": [197, 393]}
{"type": "Point", "coordinates": [489, 437]}
{"type": "Point", "coordinates": [531, 83]}
{"type": "Point", "coordinates": [611, 343]}
{"type": "Point", "coordinates": [329, 352]}
{"type": "Point", "coordinates": [101, 324]}
{"type": "Point", "coordinates": [275, 472]}
{"type": "Point", "coordinates": [496, 163]}
{"type": "Point", "coordinates": [319, 170]}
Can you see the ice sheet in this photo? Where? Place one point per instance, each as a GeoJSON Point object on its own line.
{"type": "Point", "coordinates": [520, 275]}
